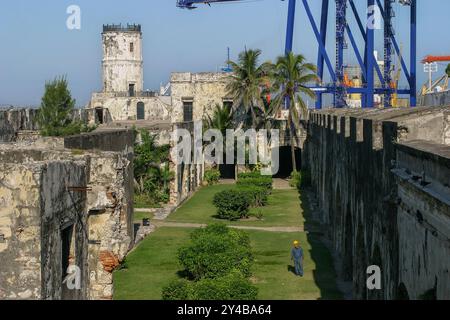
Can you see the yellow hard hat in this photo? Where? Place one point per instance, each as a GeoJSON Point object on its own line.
{"type": "Point", "coordinates": [296, 242]}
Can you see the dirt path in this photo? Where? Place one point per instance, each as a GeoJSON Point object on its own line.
{"type": "Point", "coordinates": [281, 184]}
{"type": "Point", "coordinates": [159, 224]}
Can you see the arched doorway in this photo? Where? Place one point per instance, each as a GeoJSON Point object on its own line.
{"type": "Point", "coordinates": [140, 111]}
{"type": "Point", "coordinates": [285, 161]}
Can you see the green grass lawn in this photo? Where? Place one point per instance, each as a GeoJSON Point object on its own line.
{"type": "Point", "coordinates": [154, 264]}
{"type": "Point", "coordinates": [151, 266]}
{"type": "Point", "coordinates": [282, 210]}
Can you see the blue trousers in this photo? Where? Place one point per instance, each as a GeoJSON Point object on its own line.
{"type": "Point", "coordinates": [298, 267]}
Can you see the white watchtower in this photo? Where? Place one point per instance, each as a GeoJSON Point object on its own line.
{"type": "Point", "coordinates": [122, 59]}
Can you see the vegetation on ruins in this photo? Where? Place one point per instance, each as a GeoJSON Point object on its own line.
{"type": "Point", "coordinates": [217, 263]}
{"type": "Point", "coordinates": [447, 71]}
{"type": "Point", "coordinates": [151, 171]}
{"type": "Point", "coordinates": [248, 80]}
{"type": "Point", "coordinates": [290, 76]}
{"type": "Point", "coordinates": [212, 176]}
{"type": "Point", "coordinates": [55, 117]}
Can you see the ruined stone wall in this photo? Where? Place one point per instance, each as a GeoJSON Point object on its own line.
{"type": "Point", "coordinates": [44, 192]}
{"type": "Point", "coordinates": [20, 270]}
{"type": "Point", "coordinates": [22, 124]}
{"type": "Point", "coordinates": [188, 177]}
{"type": "Point", "coordinates": [36, 206]}
{"type": "Point", "coordinates": [350, 154]}
{"type": "Point", "coordinates": [109, 204]}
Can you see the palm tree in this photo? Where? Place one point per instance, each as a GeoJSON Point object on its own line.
{"type": "Point", "coordinates": [221, 119]}
{"type": "Point", "coordinates": [290, 76]}
{"type": "Point", "coordinates": [247, 82]}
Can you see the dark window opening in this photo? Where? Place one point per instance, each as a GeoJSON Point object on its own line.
{"type": "Point", "coordinates": [131, 47]}
{"type": "Point", "coordinates": [99, 115]}
{"type": "Point", "coordinates": [66, 245]}
{"type": "Point", "coordinates": [131, 91]}
{"type": "Point", "coordinates": [140, 111]}
{"type": "Point", "coordinates": [188, 111]}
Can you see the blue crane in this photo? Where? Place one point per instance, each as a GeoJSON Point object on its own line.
{"type": "Point", "coordinates": [366, 59]}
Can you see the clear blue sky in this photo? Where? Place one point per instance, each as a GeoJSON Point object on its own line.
{"type": "Point", "coordinates": [36, 46]}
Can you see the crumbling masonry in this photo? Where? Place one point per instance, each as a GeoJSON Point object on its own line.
{"type": "Point", "coordinates": [62, 206]}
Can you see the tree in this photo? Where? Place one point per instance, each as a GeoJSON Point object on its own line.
{"type": "Point", "coordinates": [447, 71]}
{"type": "Point", "coordinates": [247, 82]}
{"type": "Point", "coordinates": [151, 179]}
{"type": "Point", "coordinates": [54, 117]}
{"type": "Point", "coordinates": [221, 119]}
{"type": "Point", "coordinates": [290, 76]}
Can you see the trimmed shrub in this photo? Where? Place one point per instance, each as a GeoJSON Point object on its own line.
{"type": "Point", "coordinates": [257, 196]}
{"type": "Point", "coordinates": [177, 290]}
{"type": "Point", "coordinates": [233, 286]}
{"type": "Point", "coordinates": [215, 251]}
{"type": "Point", "coordinates": [212, 176]}
{"type": "Point", "coordinates": [231, 204]}
{"type": "Point", "coordinates": [263, 182]}
{"type": "Point", "coordinates": [246, 175]}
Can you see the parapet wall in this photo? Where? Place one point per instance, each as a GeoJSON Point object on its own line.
{"type": "Point", "coordinates": [352, 156]}
{"type": "Point", "coordinates": [15, 120]}
{"type": "Point", "coordinates": [113, 140]}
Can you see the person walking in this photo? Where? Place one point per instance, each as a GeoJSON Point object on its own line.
{"type": "Point", "coordinates": [297, 257]}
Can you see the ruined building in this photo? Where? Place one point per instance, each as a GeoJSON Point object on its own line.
{"type": "Point", "coordinates": [65, 203]}
{"type": "Point", "coordinates": [123, 97]}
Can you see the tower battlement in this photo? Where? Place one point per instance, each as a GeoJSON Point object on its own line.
{"type": "Point", "coordinates": [121, 28]}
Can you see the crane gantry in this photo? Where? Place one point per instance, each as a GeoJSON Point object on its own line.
{"type": "Point", "coordinates": [365, 57]}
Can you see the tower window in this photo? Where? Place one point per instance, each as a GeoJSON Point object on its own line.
{"type": "Point", "coordinates": [187, 111]}
{"type": "Point", "coordinates": [131, 91]}
{"type": "Point", "coordinates": [131, 47]}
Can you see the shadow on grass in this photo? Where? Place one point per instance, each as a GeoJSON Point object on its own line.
{"type": "Point", "coordinates": [325, 275]}
{"type": "Point", "coordinates": [291, 269]}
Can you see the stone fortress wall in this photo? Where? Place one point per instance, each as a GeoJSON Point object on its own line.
{"type": "Point", "coordinates": [382, 183]}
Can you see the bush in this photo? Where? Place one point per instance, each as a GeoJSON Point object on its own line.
{"type": "Point", "coordinates": [257, 196]}
{"type": "Point", "coordinates": [261, 181]}
{"type": "Point", "coordinates": [233, 286]}
{"type": "Point", "coordinates": [246, 175]}
{"type": "Point", "coordinates": [231, 204]}
{"type": "Point", "coordinates": [215, 251]}
{"type": "Point", "coordinates": [212, 176]}
{"type": "Point", "coordinates": [177, 290]}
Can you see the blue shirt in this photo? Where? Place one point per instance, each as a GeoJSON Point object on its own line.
{"type": "Point", "coordinates": [297, 253]}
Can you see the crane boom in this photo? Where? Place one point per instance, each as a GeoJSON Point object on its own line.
{"type": "Point", "coordinates": [431, 59]}
{"type": "Point", "coordinates": [190, 4]}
